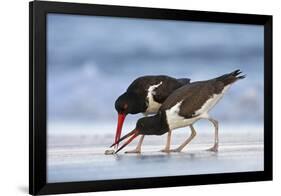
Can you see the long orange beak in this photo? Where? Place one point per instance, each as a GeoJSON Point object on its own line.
{"type": "Point", "coordinates": [122, 138]}
{"type": "Point", "coordinates": [133, 135]}
{"type": "Point", "coordinates": [121, 118]}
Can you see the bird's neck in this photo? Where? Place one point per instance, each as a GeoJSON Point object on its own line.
{"type": "Point", "coordinates": [163, 122]}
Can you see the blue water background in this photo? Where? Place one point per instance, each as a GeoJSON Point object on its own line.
{"type": "Point", "coordinates": [91, 60]}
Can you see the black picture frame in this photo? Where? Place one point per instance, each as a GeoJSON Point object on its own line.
{"type": "Point", "coordinates": [37, 97]}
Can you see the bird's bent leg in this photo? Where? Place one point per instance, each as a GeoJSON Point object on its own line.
{"type": "Point", "coordinates": [216, 144]}
{"type": "Point", "coordinates": [193, 134]}
{"type": "Point", "coordinates": [138, 148]}
{"type": "Point", "coordinates": [168, 143]}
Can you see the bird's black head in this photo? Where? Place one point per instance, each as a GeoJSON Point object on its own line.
{"type": "Point", "coordinates": [130, 103]}
{"type": "Point", "coordinates": [152, 125]}
{"type": "Point", "coordinates": [127, 103]}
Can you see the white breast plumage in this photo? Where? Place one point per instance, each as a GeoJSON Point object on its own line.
{"type": "Point", "coordinates": [152, 106]}
{"type": "Point", "coordinates": [174, 120]}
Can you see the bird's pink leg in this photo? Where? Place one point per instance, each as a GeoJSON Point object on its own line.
{"type": "Point", "coordinates": [168, 143]}
{"type": "Point", "coordinates": [193, 134]}
{"type": "Point", "coordinates": [138, 148]}
{"type": "Point", "coordinates": [216, 144]}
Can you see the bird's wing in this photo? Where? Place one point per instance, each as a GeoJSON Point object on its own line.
{"type": "Point", "coordinates": [141, 84]}
{"type": "Point", "coordinates": [192, 96]}
{"type": "Point", "coordinates": [167, 88]}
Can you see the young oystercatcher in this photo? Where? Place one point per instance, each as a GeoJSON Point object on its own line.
{"type": "Point", "coordinates": [145, 95]}
{"type": "Point", "coordinates": [183, 108]}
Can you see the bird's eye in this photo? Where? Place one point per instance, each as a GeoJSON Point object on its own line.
{"type": "Point", "coordinates": [125, 106]}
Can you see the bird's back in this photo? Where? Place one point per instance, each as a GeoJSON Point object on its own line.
{"type": "Point", "coordinates": [193, 96]}
{"type": "Point", "coordinates": [166, 86]}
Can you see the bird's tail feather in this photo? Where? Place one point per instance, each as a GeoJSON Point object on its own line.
{"type": "Point", "coordinates": [231, 77]}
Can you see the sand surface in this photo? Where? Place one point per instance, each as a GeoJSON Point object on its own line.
{"type": "Point", "coordinates": [75, 158]}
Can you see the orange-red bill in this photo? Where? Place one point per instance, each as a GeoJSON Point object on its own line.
{"type": "Point", "coordinates": [122, 138]}
{"type": "Point", "coordinates": [134, 134]}
{"type": "Point", "coordinates": [121, 118]}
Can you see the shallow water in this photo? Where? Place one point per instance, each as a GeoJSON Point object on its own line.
{"type": "Point", "coordinates": [75, 155]}
{"type": "Point", "coordinates": [88, 163]}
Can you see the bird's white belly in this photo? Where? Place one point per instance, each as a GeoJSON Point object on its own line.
{"type": "Point", "coordinates": [174, 120]}
{"type": "Point", "coordinates": [178, 122]}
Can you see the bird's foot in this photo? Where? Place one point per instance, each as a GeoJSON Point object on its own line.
{"type": "Point", "coordinates": [137, 151]}
{"type": "Point", "coordinates": [165, 150]}
{"type": "Point", "coordinates": [214, 148]}
{"type": "Point", "coordinates": [176, 150]}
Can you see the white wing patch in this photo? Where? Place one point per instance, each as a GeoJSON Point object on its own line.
{"type": "Point", "coordinates": [153, 106]}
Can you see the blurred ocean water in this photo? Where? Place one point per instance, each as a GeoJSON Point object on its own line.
{"type": "Point", "coordinates": [77, 135]}
{"type": "Point", "coordinates": [92, 60]}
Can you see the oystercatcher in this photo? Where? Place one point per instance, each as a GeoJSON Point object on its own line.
{"type": "Point", "coordinates": [184, 107]}
{"type": "Point", "coordinates": [145, 95]}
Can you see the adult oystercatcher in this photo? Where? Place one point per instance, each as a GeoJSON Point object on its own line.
{"type": "Point", "coordinates": [183, 108]}
{"type": "Point", "coordinates": [145, 95]}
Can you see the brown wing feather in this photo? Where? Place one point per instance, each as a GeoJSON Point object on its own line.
{"type": "Point", "coordinates": [169, 86]}
{"type": "Point", "coordinates": [193, 96]}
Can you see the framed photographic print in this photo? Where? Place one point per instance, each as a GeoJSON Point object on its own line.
{"type": "Point", "coordinates": [130, 97]}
